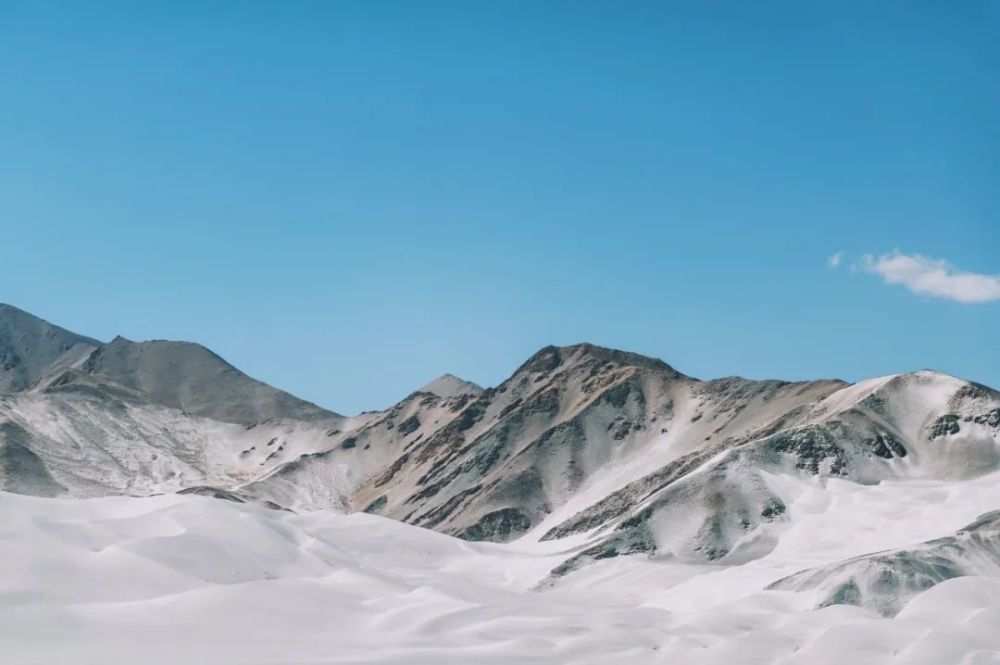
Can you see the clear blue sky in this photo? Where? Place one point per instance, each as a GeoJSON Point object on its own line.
{"type": "Point", "coordinates": [346, 199]}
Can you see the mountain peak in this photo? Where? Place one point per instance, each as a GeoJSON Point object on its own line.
{"type": "Point", "coordinates": [550, 357]}
{"type": "Point", "coordinates": [449, 385]}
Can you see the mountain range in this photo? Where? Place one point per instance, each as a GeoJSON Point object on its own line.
{"type": "Point", "coordinates": [606, 452]}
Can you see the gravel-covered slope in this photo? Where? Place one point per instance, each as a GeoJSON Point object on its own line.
{"type": "Point", "coordinates": [31, 349]}
{"type": "Point", "coordinates": [570, 428]}
{"type": "Point", "coordinates": [189, 377]}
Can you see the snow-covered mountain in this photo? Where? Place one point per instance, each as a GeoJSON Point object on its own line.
{"type": "Point", "coordinates": [745, 506]}
{"type": "Point", "coordinates": [83, 418]}
{"type": "Point", "coordinates": [591, 452]}
{"type": "Point", "coordinates": [629, 456]}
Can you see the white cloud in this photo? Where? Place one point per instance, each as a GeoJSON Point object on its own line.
{"type": "Point", "coordinates": [834, 261]}
{"type": "Point", "coordinates": [933, 277]}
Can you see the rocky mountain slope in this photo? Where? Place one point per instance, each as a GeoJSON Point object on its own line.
{"type": "Point", "coordinates": [31, 348]}
{"type": "Point", "coordinates": [604, 452]}
{"type": "Point", "coordinates": [83, 418]}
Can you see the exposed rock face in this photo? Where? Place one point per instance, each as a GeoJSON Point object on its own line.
{"type": "Point", "coordinates": [946, 425]}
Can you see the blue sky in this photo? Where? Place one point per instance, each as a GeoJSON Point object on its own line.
{"type": "Point", "coordinates": [346, 199]}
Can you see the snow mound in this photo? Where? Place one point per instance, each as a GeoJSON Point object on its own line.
{"type": "Point", "coordinates": [187, 578]}
{"type": "Point", "coordinates": [887, 581]}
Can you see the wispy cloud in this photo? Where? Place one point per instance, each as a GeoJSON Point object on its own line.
{"type": "Point", "coordinates": [835, 260]}
{"type": "Point", "coordinates": [932, 277]}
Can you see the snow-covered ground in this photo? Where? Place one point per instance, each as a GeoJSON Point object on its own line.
{"type": "Point", "coordinates": [648, 516]}
{"type": "Point", "coordinates": [181, 578]}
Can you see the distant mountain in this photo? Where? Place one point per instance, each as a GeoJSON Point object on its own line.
{"type": "Point", "coordinates": [611, 452]}
{"type": "Point", "coordinates": [449, 385]}
{"type": "Point", "coordinates": [189, 377]}
{"type": "Point", "coordinates": [85, 418]}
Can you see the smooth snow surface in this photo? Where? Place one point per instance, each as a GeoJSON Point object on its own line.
{"type": "Point", "coordinates": [190, 579]}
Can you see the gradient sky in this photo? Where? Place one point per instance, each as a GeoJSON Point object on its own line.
{"type": "Point", "coordinates": [347, 199]}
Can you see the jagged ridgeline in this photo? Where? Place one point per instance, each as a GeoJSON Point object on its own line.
{"type": "Point", "coordinates": [615, 452]}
